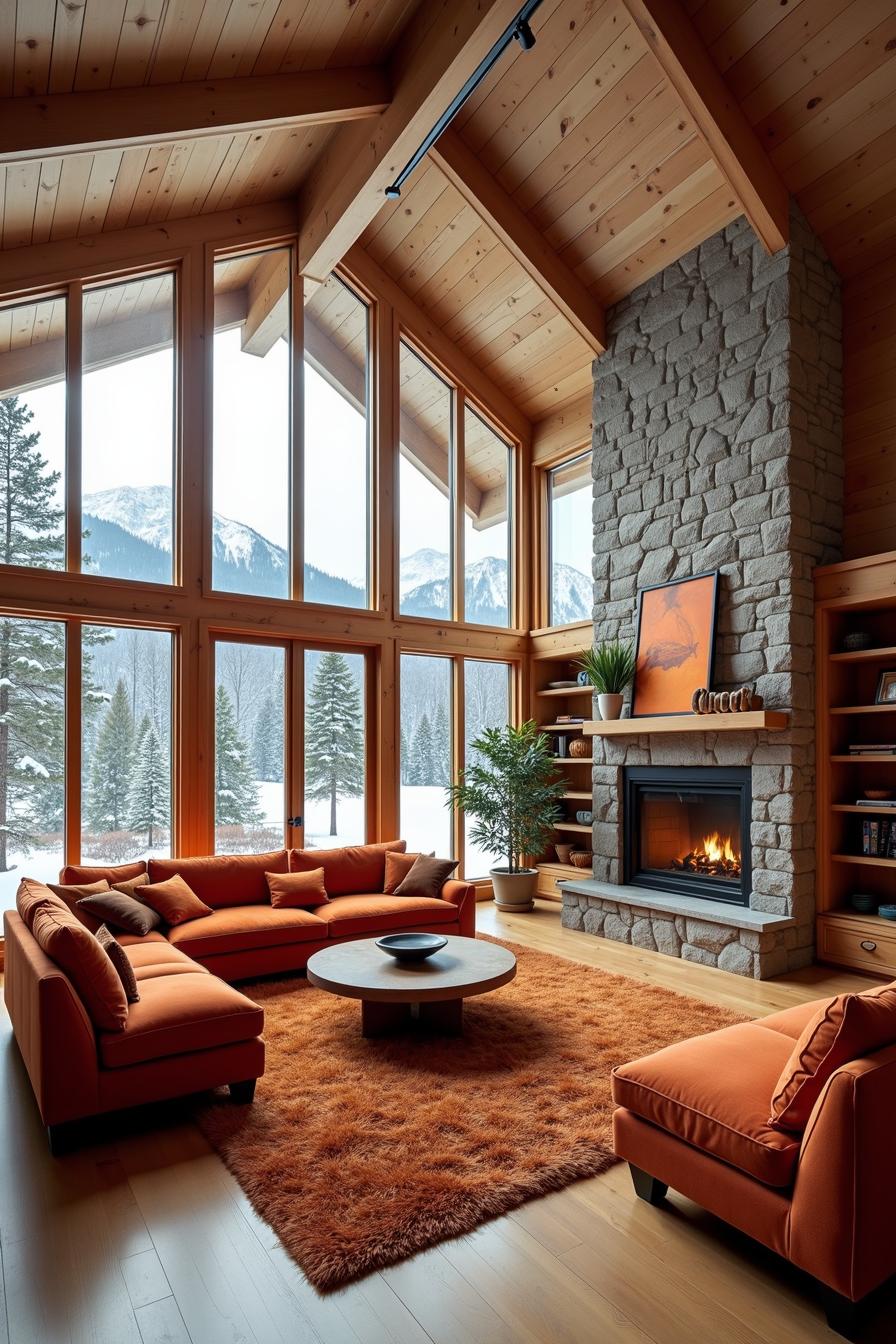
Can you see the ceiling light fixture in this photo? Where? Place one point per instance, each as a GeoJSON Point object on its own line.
{"type": "Point", "coordinates": [519, 31]}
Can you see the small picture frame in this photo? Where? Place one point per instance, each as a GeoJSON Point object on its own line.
{"type": "Point", "coordinates": [886, 688]}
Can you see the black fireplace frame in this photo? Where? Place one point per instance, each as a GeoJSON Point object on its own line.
{"type": "Point", "coordinates": [720, 779]}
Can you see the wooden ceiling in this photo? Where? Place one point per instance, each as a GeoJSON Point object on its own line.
{"type": "Point", "coordinates": [573, 173]}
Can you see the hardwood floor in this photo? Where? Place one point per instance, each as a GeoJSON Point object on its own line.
{"type": "Point", "coordinates": [145, 1238]}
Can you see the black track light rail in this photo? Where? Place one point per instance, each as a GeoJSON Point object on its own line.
{"type": "Point", "coordinates": [518, 30]}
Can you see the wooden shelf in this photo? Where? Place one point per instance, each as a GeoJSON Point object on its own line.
{"type": "Point", "coordinates": [567, 690]}
{"type": "Point", "coordinates": [773, 720]}
{"type": "Point", "coordinates": [863, 655]}
{"type": "Point", "coordinates": [874, 756]}
{"type": "Point", "coordinates": [868, 860]}
{"type": "Point", "coordinates": [873, 921]}
{"type": "Point", "coordinates": [863, 709]}
{"type": "Point", "coordinates": [862, 809]}
{"type": "Point", "coordinates": [585, 760]}
{"type": "Point", "coordinates": [577, 796]}
{"type": "Point", "coordinates": [572, 826]}
{"type": "Point", "coordinates": [562, 727]}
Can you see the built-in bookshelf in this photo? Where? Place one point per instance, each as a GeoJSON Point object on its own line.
{"type": "Point", "coordinates": [856, 752]}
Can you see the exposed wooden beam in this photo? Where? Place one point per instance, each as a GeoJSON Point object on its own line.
{"type": "Point", "coordinates": [77, 123]}
{"type": "Point", "coordinates": [731, 140]}
{"type": "Point", "coordinates": [563, 432]}
{"type": "Point", "coordinates": [467, 173]}
{"type": "Point", "coordinates": [445, 42]}
{"type": "Point", "coordinates": [267, 318]}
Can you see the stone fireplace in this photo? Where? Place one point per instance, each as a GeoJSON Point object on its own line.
{"type": "Point", "coordinates": [717, 445]}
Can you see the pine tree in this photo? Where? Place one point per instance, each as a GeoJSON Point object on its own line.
{"type": "Point", "coordinates": [441, 748]}
{"type": "Point", "coordinates": [424, 756]}
{"type": "Point", "coordinates": [31, 526]}
{"type": "Point", "coordinates": [236, 793]}
{"type": "Point", "coordinates": [334, 740]}
{"type": "Point", "coordinates": [148, 802]}
{"type": "Point", "coordinates": [404, 759]}
{"type": "Point", "coordinates": [110, 769]}
{"type": "Point", "coordinates": [267, 742]}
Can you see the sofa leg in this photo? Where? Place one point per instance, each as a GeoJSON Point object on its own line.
{"type": "Point", "coordinates": [62, 1139]}
{"type": "Point", "coordinates": [845, 1317]}
{"type": "Point", "coordinates": [647, 1186]}
{"type": "Point", "coordinates": [242, 1093]}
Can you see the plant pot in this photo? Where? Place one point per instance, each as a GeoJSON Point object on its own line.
{"type": "Point", "coordinates": [609, 706]}
{"type": "Point", "coordinates": [514, 891]}
{"type": "Point", "coordinates": [563, 852]}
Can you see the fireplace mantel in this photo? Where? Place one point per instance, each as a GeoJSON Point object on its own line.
{"type": "Point", "coordinates": [772, 720]}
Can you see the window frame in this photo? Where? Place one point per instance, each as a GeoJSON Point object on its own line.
{"type": "Point", "coordinates": [546, 550]}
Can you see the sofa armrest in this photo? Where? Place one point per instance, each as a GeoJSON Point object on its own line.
{"type": "Point", "coordinates": [845, 1190]}
{"type": "Point", "coordinates": [463, 895]}
{"type": "Point", "coordinates": [54, 1033]}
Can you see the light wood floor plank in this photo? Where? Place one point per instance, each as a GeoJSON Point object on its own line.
{"type": "Point", "coordinates": [161, 1323]}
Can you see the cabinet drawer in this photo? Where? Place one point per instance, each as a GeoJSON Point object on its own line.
{"type": "Point", "coordinates": [547, 887]}
{"type": "Point", "coordinates": [851, 945]}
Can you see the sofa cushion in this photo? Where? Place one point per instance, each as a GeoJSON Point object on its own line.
{"type": "Point", "coordinates": [369, 915]}
{"type": "Point", "coordinates": [118, 957]}
{"type": "Point", "coordinates": [151, 959]}
{"type": "Point", "coordinates": [350, 870]}
{"type": "Point", "coordinates": [128, 939]}
{"type": "Point", "coordinates": [292, 890]}
{"type": "Point", "coordinates": [178, 1014]}
{"type": "Point", "coordinates": [76, 873]}
{"type": "Point", "coordinates": [427, 877]}
{"type": "Point", "coordinates": [224, 879]}
{"type": "Point", "coordinates": [713, 1092]}
{"type": "Point", "coordinates": [30, 896]}
{"type": "Point", "coordinates": [66, 941]}
{"type": "Point", "coordinates": [791, 1021]}
{"type": "Point", "coordinates": [847, 1027]}
{"type": "Point", "coordinates": [240, 927]}
{"type": "Point", "coordinates": [398, 866]}
{"type": "Point", "coordinates": [119, 911]}
{"type": "Point", "coordinates": [74, 892]}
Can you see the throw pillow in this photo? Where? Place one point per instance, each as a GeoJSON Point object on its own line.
{"type": "Point", "coordinates": [72, 893]}
{"type": "Point", "coordinates": [398, 866]}
{"type": "Point", "coordinates": [849, 1027]}
{"type": "Point", "coordinates": [66, 941]}
{"type": "Point", "coordinates": [290, 890]}
{"type": "Point", "coordinates": [130, 888]}
{"type": "Point", "coordinates": [427, 877]}
{"type": "Point", "coordinates": [174, 900]}
{"type": "Point", "coordinates": [30, 896]}
{"type": "Point", "coordinates": [119, 960]}
{"type": "Point", "coordinates": [121, 911]}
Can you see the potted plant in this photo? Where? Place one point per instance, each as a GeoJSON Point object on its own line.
{"type": "Point", "coordinates": [609, 667]}
{"type": "Point", "coordinates": [511, 793]}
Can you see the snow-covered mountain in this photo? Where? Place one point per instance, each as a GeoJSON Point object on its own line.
{"type": "Point", "coordinates": [129, 534]}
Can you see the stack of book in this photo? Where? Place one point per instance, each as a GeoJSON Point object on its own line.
{"type": "Point", "coordinates": [879, 837]}
{"type": "Point", "coordinates": [873, 749]}
{"type": "Point", "coordinates": [570, 718]}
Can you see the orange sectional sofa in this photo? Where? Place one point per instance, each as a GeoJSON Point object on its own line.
{"type": "Point", "coordinates": [190, 1030]}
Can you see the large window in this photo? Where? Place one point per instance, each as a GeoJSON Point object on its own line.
{"type": "Point", "coordinates": [250, 720]}
{"type": "Point", "coordinates": [252, 425]}
{"type": "Point", "coordinates": [426, 738]}
{"type": "Point", "coordinates": [32, 434]}
{"type": "Point", "coordinates": [425, 472]}
{"type": "Point", "coordinates": [487, 569]}
{"type": "Point", "coordinates": [334, 749]}
{"type": "Point", "coordinates": [336, 478]}
{"type": "Point", "coordinates": [125, 744]}
{"type": "Point", "coordinates": [571, 541]}
{"type": "Point", "coordinates": [32, 746]}
{"type": "Point", "coordinates": [128, 430]}
{"type": "Point", "coordinates": [486, 705]}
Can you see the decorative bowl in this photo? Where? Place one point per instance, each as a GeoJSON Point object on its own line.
{"type": "Point", "coordinates": [411, 946]}
{"type": "Point", "coordinates": [560, 685]}
{"type": "Point", "coordinates": [856, 641]}
{"type": "Point", "coordinates": [878, 795]}
{"type": "Point", "coordinates": [862, 902]}
{"type": "Point", "coordinates": [584, 818]}
{"type": "Point", "coordinates": [579, 748]}
{"type": "Point", "coordinates": [563, 852]}
{"type": "Point", "coordinates": [581, 858]}
{"type": "Point", "coordinates": [888, 911]}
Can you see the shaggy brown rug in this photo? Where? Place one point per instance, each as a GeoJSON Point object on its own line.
{"type": "Point", "coordinates": [361, 1152]}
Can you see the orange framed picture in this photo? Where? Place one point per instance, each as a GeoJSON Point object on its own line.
{"type": "Point", "coordinates": [675, 644]}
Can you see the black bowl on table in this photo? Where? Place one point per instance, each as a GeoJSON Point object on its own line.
{"type": "Point", "coordinates": [411, 946]}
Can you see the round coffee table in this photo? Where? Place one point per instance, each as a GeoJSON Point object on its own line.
{"type": "Point", "coordinates": [397, 995]}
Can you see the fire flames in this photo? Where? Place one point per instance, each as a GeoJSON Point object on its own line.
{"type": "Point", "coordinates": [716, 858]}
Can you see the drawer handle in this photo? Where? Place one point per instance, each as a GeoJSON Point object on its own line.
{"type": "Point", "coordinates": [867, 944]}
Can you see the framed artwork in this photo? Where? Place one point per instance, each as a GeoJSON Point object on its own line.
{"type": "Point", "coordinates": [675, 644]}
{"type": "Point", "coordinates": [886, 689]}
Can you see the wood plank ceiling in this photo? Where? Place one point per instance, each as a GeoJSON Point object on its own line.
{"type": "Point", "coordinates": [584, 134]}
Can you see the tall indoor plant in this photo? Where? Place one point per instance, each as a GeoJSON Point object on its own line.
{"type": "Point", "coordinates": [511, 793]}
{"type": "Point", "coordinates": [610, 668]}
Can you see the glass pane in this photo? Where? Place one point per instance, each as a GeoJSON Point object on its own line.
{"type": "Point", "coordinates": [125, 744]}
{"type": "Point", "coordinates": [32, 434]}
{"type": "Point", "coordinates": [127, 430]}
{"type": "Point", "coordinates": [32, 711]}
{"type": "Point", "coordinates": [486, 705]}
{"type": "Point", "coordinates": [424, 545]}
{"type": "Point", "coordinates": [426, 734]}
{"type": "Point", "coordinates": [334, 749]}
{"type": "Point", "coordinates": [252, 401]}
{"type": "Point", "coordinates": [486, 524]}
{"type": "Point", "coordinates": [572, 590]}
{"type": "Point", "coordinates": [250, 719]}
{"type": "Point", "coordinates": [336, 477]}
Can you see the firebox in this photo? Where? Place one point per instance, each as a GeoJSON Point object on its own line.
{"type": "Point", "coordinates": [687, 830]}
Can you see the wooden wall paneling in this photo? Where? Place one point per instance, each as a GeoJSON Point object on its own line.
{"type": "Point", "coordinates": [869, 345]}
{"type": "Point", "coordinates": [136, 42]}
{"type": "Point", "coordinates": [870, 103]}
{"type": "Point", "coordinates": [564, 432]}
{"type": "Point", "coordinates": [33, 45]}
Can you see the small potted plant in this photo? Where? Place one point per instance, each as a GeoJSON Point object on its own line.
{"type": "Point", "coordinates": [511, 794]}
{"type": "Point", "coordinates": [610, 668]}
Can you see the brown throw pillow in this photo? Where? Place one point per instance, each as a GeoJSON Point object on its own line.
{"type": "Point", "coordinates": [130, 887]}
{"type": "Point", "coordinates": [122, 912]}
{"type": "Point", "coordinates": [72, 893]}
{"type": "Point", "coordinates": [427, 877]}
{"type": "Point", "coordinates": [174, 900]}
{"type": "Point", "coordinates": [66, 941]}
{"type": "Point", "coordinates": [291, 890]}
{"type": "Point", "coordinates": [398, 866]}
{"type": "Point", "coordinates": [119, 960]}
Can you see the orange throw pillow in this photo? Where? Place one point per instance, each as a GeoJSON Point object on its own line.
{"type": "Point", "coordinates": [398, 866]}
{"type": "Point", "coordinates": [849, 1027]}
{"type": "Point", "coordinates": [174, 900]}
{"type": "Point", "coordinates": [66, 941]}
{"type": "Point", "coordinates": [72, 893]}
{"type": "Point", "coordinates": [30, 896]}
{"type": "Point", "coordinates": [427, 877]}
{"type": "Point", "coordinates": [290, 890]}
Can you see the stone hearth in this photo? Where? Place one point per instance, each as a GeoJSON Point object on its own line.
{"type": "Point", "coordinates": [718, 445]}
